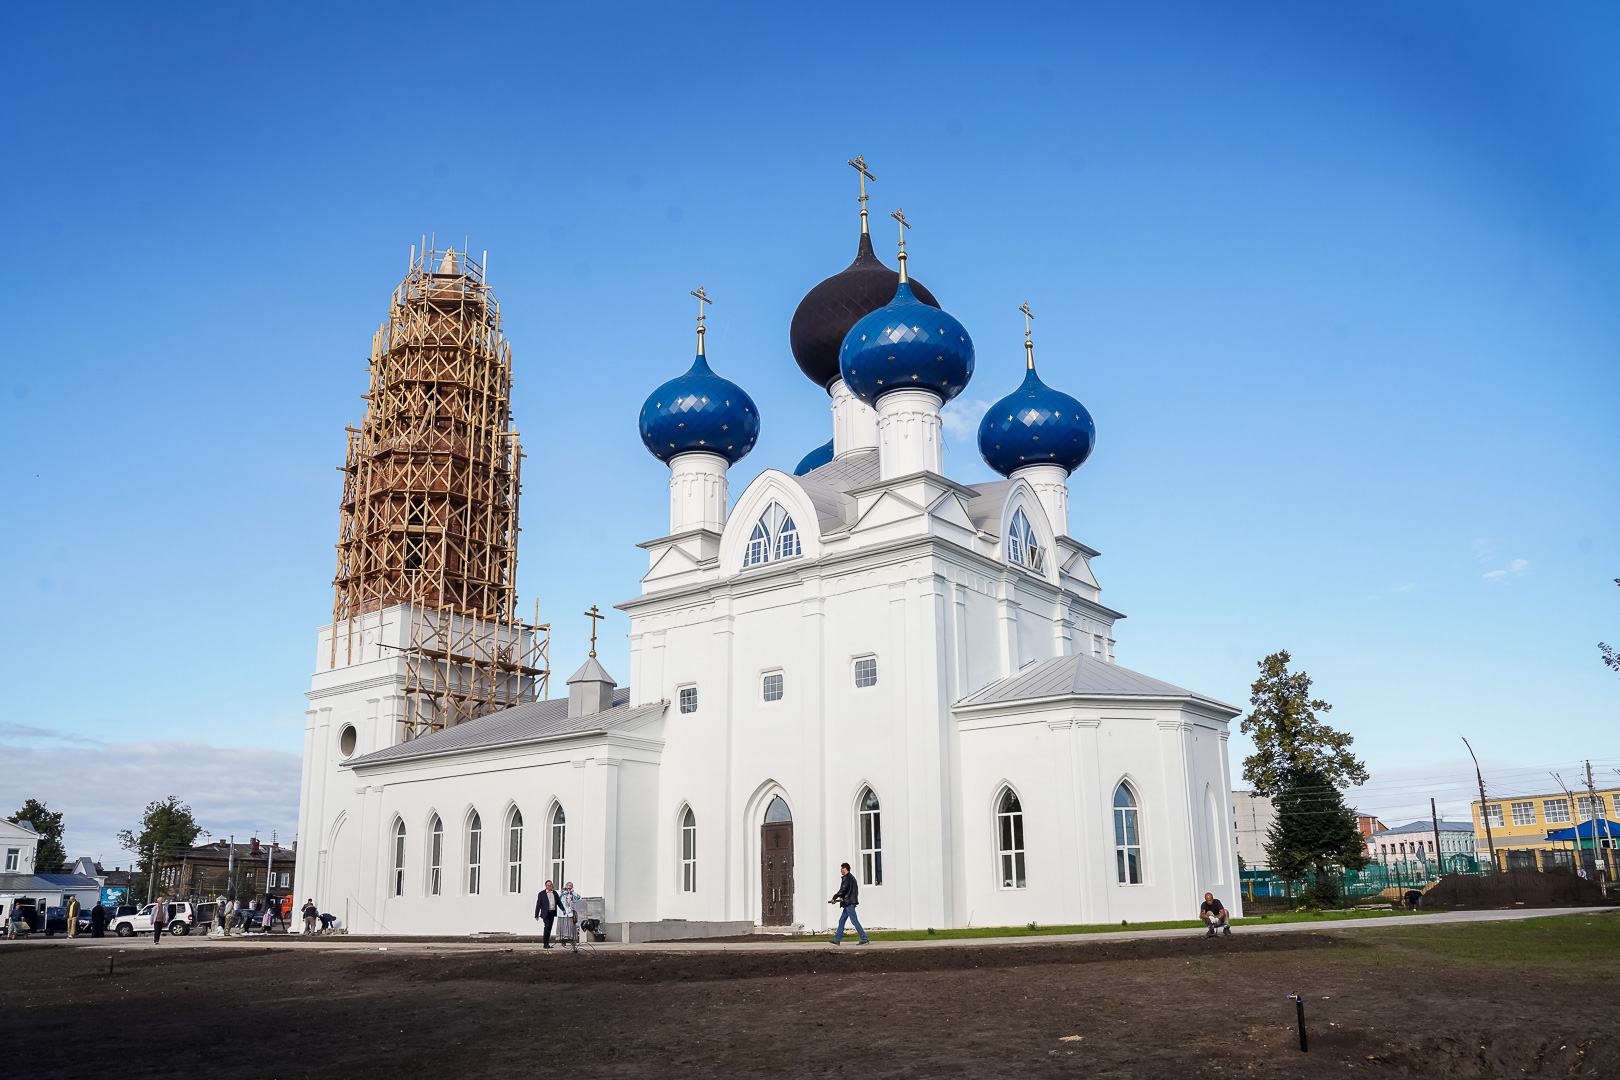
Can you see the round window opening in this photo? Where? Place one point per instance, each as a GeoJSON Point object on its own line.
{"type": "Point", "coordinates": [347, 739]}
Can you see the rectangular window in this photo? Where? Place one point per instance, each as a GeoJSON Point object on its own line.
{"type": "Point", "coordinates": [1555, 810]}
{"type": "Point", "coordinates": [1493, 815]}
{"type": "Point", "coordinates": [1583, 805]}
{"type": "Point", "coordinates": [1524, 813]}
{"type": "Point", "coordinates": [286, 880]}
{"type": "Point", "coordinates": [866, 672]}
{"type": "Point", "coordinates": [688, 698]}
{"type": "Point", "coordinates": [12, 855]}
{"type": "Point", "coordinates": [772, 687]}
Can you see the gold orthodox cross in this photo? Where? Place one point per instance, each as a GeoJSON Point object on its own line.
{"type": "Point", "coordinates": [1029, 342]}
{"type": "Point", "coordinates": [593, 616]}
{"type": "Point", "coordinates": [859, 165]}
{"type": "Point", "coordinates": [900, 216]}
{"type": "Point", "coordinates": [702, 298]}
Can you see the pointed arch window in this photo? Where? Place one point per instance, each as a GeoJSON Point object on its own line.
{"type": "Point", "coordinates": [1127, 836]}
{"type": "Point", "coordinates": [559, 847]}
{"type": "Point", "coordinates": [688, 851]}
{"type": "Point", "coordinates": [1022, 546]}
{"type": "Point", "coordinates": [399, 858]}
{"type": "Point", "coordinates": [871, 839]}
{"type": "Point", "coordinates": [514, 852]}
{"type": "Point", "coordinates": [435, 857]}
{"type": "Point", "coordinates": [475, 854]}
{"type": "Point", "coordinates": [775, 536]}
{"type": "Point", "coordinates": [1010, 839]}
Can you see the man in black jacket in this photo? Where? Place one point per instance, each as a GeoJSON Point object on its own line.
{"type": "Point", "coordinates": [848, 894]}
{"type": "Point", "coordinates": [545, 909]}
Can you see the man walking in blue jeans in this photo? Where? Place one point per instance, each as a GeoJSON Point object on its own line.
{"type": "Point", "coordinates": [848, 894]}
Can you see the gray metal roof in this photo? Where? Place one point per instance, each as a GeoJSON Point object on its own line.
{"type": "Point", "coordinates": [985, 510]}
{"type": "Point", "coordinates": [32, 883]}
{"type": "Point", "coordinates": [1060, 676]}
{"type": "Point", "coordinates": [1428, 826]}
{"type": "Point", "coordinates": [534, 722]}
{"type": "Point", "coordinates": [848, 472]}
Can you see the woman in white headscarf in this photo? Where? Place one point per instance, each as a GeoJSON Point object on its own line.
{"type": "Point", "coordinates": [568, 916]}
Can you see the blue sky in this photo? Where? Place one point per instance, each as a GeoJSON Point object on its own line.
{"type": "Point", "coordinates": [1336, 281]}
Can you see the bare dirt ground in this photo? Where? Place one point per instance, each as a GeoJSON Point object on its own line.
{"type": "Point", "coordinates": [1539, 998]}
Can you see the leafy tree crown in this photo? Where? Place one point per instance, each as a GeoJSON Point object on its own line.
{"type": "Point", "coordinates": [48, 824]}
{"type": "Point", "coordinates": [1288, 735]}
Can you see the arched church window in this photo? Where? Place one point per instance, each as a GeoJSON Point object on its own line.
{"type": "Point", "coordinates": [475, 854]}
{"type": "Point", "coordinates": [775, 536]}
{"type": "Point", "coordinates": [1010, 839]}
{"type": "Point", "coordinates": [399, 858]}
{"type": "Point", "coordinates": [435, 857]}
{"type": "Point", "coordinates": [1022, 546]}
{"type": "Point", "coordinates": [1127, 836]}
{"type": "Point", "coordinates": [559, 847]}
{"type": "Point", "coordinates": [871, 839]}
{"type": "Point", "coordinates": [778, 811]}
{"type": "Point", "coordinates": [514, 852]}
{"type": "Point", "coordinates": [688, 851]}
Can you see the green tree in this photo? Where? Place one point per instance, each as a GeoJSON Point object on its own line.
{"type": "Point", "coordinates": [1611, 656]}
{"type": "Point", "coordinates": [1303, 764]}
{"type": "Point", "coordinates": [50, 856]}
{"type": "Point", "coordinates": [167, 833]}
{"type": "Point", "coordinates": [1313, 833]}
{"type": "Point", "coordinates": [1288, 736]}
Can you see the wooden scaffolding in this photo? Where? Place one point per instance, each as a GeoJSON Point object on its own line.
{"type": "Point", "coordinates": [429, 516]}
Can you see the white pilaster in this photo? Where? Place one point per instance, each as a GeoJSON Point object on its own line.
{"type": "Point", "coordinates": [697, 493]}
{"type": "Point", "coordinates": [909, 434]}
{"type": "Point", "coordinates": [855, 423]}
{"type": "Point", "coordinates": [1051, 484]}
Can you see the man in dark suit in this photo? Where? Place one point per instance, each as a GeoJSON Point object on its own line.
{"type": "Point", "coordinates": [545, 909]}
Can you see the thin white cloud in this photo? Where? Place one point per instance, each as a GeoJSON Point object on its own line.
{"type": "Point", "coordinates": [961, 418]}
{"type": "Point", "coordinates": [1403, 588]}
{"type": "Point", "coordinates": [1513, 569]}
{"type": "Point", "coordinates": [104, 787]}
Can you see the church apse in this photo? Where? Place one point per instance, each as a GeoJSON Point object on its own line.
{"type": "Point", "coordinates": [429, 513]}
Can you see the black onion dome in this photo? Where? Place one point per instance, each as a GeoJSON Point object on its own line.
{"type": "Point", "coordinates": [828, 311]}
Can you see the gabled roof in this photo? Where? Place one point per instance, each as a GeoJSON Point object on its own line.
{"type": "Point", "coordinates": [1428, 827]}
{"type": "Point", "coordinates": [23, 884]}
{"type": "Point", "coordinates": [1079, 676]}
{"type": "Point", "coordinates": [538, 721]}
{"type": "Point", "coordinates": [985, 509]}
{"type": "Point", "coordinates": [847, 472]}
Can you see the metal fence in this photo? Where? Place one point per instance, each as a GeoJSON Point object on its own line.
{"type": "Point", "coordinates": [1389, 879]}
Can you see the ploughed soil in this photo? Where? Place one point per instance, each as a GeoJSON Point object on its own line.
{"type": "Point", "coordinates": [1376, 1004]}
{"type": "Point", "coordinates": [1512, 888]}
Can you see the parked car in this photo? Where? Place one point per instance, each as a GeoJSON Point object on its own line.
{"type": "Point", "coordinates": [182, 916]}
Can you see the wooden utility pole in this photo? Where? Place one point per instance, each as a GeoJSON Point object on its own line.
{"type": "Point", "coordinates": [1439, 856]}
{"type": "Point", "coordinates": [1483, 814]}
{"type": "Point", "coordinates": [1597, 813]}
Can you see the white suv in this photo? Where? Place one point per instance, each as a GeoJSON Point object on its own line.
{"type": "Point", "coordinates": [181, 918]}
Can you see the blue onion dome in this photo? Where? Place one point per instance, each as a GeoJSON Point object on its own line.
{"type": "Point", "coordinates": [906, 344]}
{"type": "Point", "coordinates": [827, 311]}
{"type": "Point", "coordinates": [1036, 425]}
{"type": "Point", "coordinates": [815, 459]}
{"type": "Point", "coordinates": [699, 412]}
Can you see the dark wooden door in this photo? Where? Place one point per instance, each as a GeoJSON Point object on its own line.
{"type": "Point", "coordinates": [776, 873]}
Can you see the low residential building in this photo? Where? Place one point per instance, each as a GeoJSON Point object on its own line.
{"type": "Point", "coordinates": [1419, 845]}
{"type": "Point", "coordinates": [19, 843]}
{"type": "Point", "coordinates": [1520, 824]}
{"type": "Point", "coordinates": [1367, 825]}
{"type": "Point", "coordinates": [1252, 815]}
{"type": "Point", "coordinates": [202, 871]}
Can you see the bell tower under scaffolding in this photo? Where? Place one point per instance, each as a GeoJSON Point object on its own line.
{"type": "Point", "coordinates": [428, 528]}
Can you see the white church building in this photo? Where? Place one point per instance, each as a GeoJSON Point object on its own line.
{"type": "Point", "coordinates": [859, 660]}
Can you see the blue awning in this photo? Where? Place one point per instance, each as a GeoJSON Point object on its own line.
{"type": "Point", "coordinates": [1603, 826]}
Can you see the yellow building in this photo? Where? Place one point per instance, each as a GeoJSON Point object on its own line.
{"type": "Point", "coordinates": [1520, 824]}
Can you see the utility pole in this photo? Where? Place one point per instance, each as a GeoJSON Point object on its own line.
{"type": "Point", "coordinates": [1483, 814]}
{"type": "Point", "coordinates": [1575, 823]}
{"type": "Point", "coordinates": [1597, 812]}
{"type": "Point", "coordinates": [1439, 856]}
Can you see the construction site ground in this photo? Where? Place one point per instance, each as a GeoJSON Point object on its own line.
{"type": "Point", "coordinates": [1474, 994]}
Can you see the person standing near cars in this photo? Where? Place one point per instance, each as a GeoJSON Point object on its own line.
{"type": "Point", "coordinates": [546, 906]}
{"type": "Point", "coordinates": [71, 910]}
{"type": "Point", "coordinates": [160, 915]}
{"type": "Point", "coordinates": [98, 920]}
{"type": "Point", "coordinates": [848, 894]}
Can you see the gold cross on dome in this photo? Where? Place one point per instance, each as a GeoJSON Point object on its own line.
{"type": "Point", "coordinates": [1028, 315]}
{"type": "Point", "coordinates": [593, 616]}
{"type": "Point", "coordinates": [1029, 342]}
{"type": "Point", "coordinates": [859, 165]}
{"type": "Point", "coordinates": [900, 216]}
{"type": "Point", "coordinates": [702, 298]}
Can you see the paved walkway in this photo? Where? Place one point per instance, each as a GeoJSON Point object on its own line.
{"type": "Point", "coordinates": [816, 943]}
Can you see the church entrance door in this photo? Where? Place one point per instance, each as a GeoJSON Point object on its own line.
{"type": "Point", "coordinates": [776, 865]}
